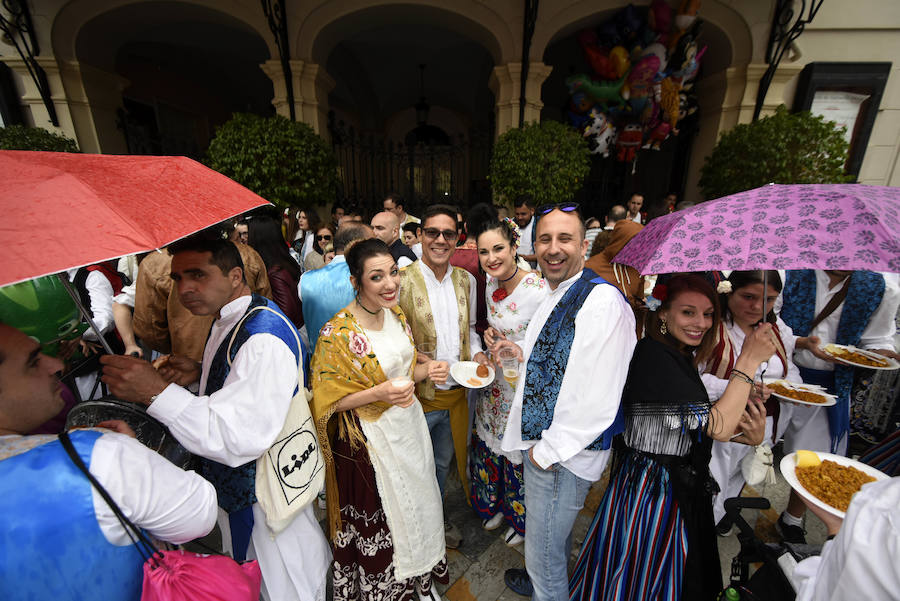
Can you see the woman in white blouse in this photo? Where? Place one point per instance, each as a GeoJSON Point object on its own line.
{"type": "Point", "coordinates": [513, 294]}
{"type": "Point", "coordinates": [384, 505]}
{"type": "Point", "coordinates": [741, 297]}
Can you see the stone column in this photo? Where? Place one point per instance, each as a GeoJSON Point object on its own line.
{"type": "Point", "coordinates": [311, 87]}
{"type": "Point", "coordinates": [505, 83]}
{"type": "Point", "coordinates": [95, 97]}
{"type": "Point", "coordinates": [781, 90]}
{"type": "Point", "coordinates": [34, 110]}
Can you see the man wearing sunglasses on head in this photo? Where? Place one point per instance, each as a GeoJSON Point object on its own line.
{"type": "Point", "coordinates": [566, 409]}
{"type": "Point", "coordinates": [439, 301]}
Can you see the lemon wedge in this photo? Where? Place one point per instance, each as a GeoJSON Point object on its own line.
{"type": "Point", "coordinates": [807, 459]}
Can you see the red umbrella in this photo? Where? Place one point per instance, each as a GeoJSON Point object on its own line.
{"type": "Point", "coordinates": [66, 210]}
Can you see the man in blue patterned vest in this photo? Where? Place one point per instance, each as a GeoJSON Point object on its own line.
{"type": "Point", "coordinates": [58, 538]}
{"type": "Point", "coordinates": [247, 379]}
{"type": "Point", "coordinates": [566, 409]}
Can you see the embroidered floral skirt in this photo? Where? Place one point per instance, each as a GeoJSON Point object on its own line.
{"type": "Point", "coordinates": [363, 551]}
{"type": "Point", "coordinates": [496, 485]}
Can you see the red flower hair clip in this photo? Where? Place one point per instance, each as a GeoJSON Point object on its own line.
{"type": "Point", "coordinates": [660, 292]}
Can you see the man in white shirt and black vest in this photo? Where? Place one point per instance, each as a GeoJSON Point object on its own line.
{"type": "Point", "coordinates": [247, 378]}
{"type": "Point", "coordinates": [566, 408]}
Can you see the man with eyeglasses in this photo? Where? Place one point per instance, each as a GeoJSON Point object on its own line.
{"type": "Point", "coordinates": [566, 408]}
{"type": "Point", "coordinates": [325, 291]}
{"type": "Point", "coordinates": [439, 301]}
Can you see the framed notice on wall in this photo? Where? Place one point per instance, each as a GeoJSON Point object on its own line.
{"type": "Point", "coordinates": [848, 94]}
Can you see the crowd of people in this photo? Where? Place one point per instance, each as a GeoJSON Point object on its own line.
{"type": "Point", "coordinates": [663, 381]}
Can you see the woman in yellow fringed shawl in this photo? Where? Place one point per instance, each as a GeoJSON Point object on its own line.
{"type": "Point", "coordinates": [384, 505]}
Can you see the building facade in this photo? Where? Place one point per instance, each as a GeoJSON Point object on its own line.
{"type": "Point", "coordinates": [159, 75]}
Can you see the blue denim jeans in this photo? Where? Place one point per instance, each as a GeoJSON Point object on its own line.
{"type": "Point", "coordinates": [553, 498]}
{"type": "Point", "coordinates": [442, 444]}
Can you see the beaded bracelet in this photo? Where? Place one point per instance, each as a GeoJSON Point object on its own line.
{"type": "Point", "coordinates": [736, 373]}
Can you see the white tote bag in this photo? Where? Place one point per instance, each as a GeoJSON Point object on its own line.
{"type": "Point", "coordinates": [291, 472]}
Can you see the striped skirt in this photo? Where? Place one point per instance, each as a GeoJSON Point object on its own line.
{"type": "Point", "coordinates": [636, 546]}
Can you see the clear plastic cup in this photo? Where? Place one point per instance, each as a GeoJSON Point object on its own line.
{"type": "Point", "coordinates": [509, 364]}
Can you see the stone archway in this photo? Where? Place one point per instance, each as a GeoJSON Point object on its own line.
{"type": "Point", "coordinates": [328, 23]}
{"type": "Point", "coordinates": [372, 53]}
{"type": "Point", "coordinates": [325, 25]}
{"type": "Point", "coordinates": [148, 49]}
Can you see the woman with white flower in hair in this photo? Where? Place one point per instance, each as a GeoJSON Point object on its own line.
{"type": "Point", "coordinates": [742, 299]}
{"type": "Point", "coordinates": [384, 507]}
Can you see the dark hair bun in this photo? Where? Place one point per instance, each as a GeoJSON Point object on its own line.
{"type": "Point", "coordinates": [361, 252]}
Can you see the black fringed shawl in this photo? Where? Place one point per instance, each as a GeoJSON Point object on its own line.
{"type": "Point", "coordinates": [666, 412]}
{"type": "Point", "coordinates": [664, 400]}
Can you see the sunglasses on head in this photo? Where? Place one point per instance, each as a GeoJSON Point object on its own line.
{"type": "Point", "coordinates": [323, 237]}
{"type": "Point", "coordinates": [432, 233]}
{"type": "Point", "coordinates": [565, 207]}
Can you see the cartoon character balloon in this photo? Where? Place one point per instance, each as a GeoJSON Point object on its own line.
{"type": "Point", "coordinates": [628, 141]}
{"type": "Point", "coordinates": [639, 84]}
{"type": "Point", "coordinates": [600, 134]}
{"type": "Point", "coordinates": [606, 92]}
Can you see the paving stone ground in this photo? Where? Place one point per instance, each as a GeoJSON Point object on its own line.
{"type": "Point", "coordinates": [477, 567]}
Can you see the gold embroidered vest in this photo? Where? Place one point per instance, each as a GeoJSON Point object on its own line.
{"type": "Point", "coordinates": [417, 308]}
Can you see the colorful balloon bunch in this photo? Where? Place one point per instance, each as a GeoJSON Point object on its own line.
{"type": "Point", "coordinates": [643, 64]}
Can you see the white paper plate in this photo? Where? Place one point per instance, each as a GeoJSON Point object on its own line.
{"type": "Point", "coordinates": [831, 399]}
{"type": "Point", "coordinates": [789, 463]}
{"type": "Point", "coordinates": [463, 371]}
{"type": "Point", "coordinates": [891, 364]}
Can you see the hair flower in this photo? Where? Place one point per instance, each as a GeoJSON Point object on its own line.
{"type": "Point", "coordinates": [657, 297]}
{"type": "Point", "coordinates": [513, 230]}
{"type": "Point", "coordinates": [724, 287]}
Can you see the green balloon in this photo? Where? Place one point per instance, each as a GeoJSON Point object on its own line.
{"type": "Point", "coordinates": [42, 309]}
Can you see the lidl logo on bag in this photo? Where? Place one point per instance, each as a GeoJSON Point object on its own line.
{"type": "Point", "coordinates": [297, 461]}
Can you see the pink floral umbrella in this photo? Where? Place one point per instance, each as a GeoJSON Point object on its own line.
{"type": "Point", "coordinates": [802, 226]}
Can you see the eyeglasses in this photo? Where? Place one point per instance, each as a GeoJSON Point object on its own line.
{"type": "Point", "coordinates": [432, 233]}
{"type": "Point", "coordinates": [325, 237]}
{"type": "Point", "coordinates": [565, 207]}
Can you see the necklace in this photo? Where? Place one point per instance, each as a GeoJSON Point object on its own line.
{"type": "Point", "coordinates": [510, 277]}
{"type": "Point", "coordinates": [364, 307]}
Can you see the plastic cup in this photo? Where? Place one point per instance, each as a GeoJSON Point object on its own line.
{"type": "Point", "coordinates": [509, 364]}
{"type": "Point", "coordinates": [427, 349]}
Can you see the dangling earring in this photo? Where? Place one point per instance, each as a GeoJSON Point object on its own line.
{"type": "Point", "coordinates": [663, 328]}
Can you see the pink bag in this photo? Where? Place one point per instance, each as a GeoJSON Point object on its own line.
{"type": "Point", "coordinates": [180, 575]}
{"type": "Point", "coordinates": [185, 576]}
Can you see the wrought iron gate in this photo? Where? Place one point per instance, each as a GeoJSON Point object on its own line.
{"type": "Point", "coordinates": [370, 166]}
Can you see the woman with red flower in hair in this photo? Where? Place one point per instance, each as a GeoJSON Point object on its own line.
{"type": "Point", "coordinates": [513, 295]}
{"type": "Point", "coordinates": [653, 536]}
